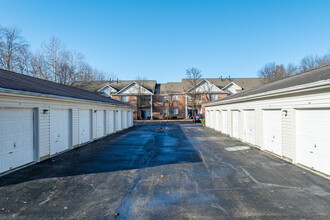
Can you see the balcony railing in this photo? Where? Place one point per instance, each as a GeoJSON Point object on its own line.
{"type": "Point", "coordinates": [191, 102]}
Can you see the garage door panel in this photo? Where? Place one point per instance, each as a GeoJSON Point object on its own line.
{"type": "Point", "coordinates": [235, 123]}
{"type": "Point", "coordinates": [16, 138]}
{"type": "Point", "coordinates": [59, 130]}
{"type": "Point", "coordinates": [272, 131]}
{"type": "Point", "coordinates": [225, 122]}
{"type": "Point", "coordinates": [85, 125]}
{"type": "Point", "coordinates": [313, 139]}
{"type": "Point", "coordinates": [100, 117]}
{"type": "Point", "coordinates": [249, 128]}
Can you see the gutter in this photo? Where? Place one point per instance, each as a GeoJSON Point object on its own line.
{"type": "Point", "coordinates": [26, 94]}
{"type": "Point", "coordinates": [300, 88]}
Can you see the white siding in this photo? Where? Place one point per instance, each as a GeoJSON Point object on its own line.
{"type": "Point", "coordinates": [44, 132]}
{"type": "Point", "coordinates": [287, 133]}
{"type": "Point", "coordinates": [75, 127]}
{"type": "Point", "coordinates": [288, 105]}
{"type": "Point", "coordinates": [42, 108]}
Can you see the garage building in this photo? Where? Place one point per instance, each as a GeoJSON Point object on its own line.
{"type": "Point", "coordinates": [289, 118]}
{"type": "Point", "coordinates": [40, 119]}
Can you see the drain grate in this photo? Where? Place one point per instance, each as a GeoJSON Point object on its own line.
{"type": "Point", "coordinates": [237, 148]}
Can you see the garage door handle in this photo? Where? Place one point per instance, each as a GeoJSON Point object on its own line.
{"type": "Point", "coordinates": [311, 152]}
{"type": "Point", "coordinates": [10, 152]}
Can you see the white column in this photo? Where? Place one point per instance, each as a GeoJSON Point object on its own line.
{"type": "Point", "coordinates": [151, 117]}
{"type": "Point", "coordinates": [186, 106]}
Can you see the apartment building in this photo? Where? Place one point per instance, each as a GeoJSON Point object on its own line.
{"type": "Point", "coordinates": [169, 100]}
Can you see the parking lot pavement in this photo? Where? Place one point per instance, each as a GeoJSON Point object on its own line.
{"type": "Point", "coordinates": [164, 171]}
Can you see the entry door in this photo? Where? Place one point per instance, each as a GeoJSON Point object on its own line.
{"type": "Point", "coordinates": [313, 139]}
{"type": "Point", "coordinates": [235, 116]}
{"type": "Point", "coordinates": [85, 125]}
{"type": "Point", "coordinates": [100, 123]}
{"type": "Point", "coordinates": [112, 121]}
{"type": "Point", "coordinates": [249, 128]}
{"type": "Point", "coordinates": [60, 130]}
{"type": "Point", "coordinates": [16, 138]}
{"type": "Point", "coordinates": [146, 113]}
{"type": "Point", "coordinates": [272, 131]}
{"type": "Point", "coordinates": [225, 122]}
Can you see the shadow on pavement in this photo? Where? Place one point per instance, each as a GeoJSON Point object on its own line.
{"type": "Point", "coordinates": [142, 146]}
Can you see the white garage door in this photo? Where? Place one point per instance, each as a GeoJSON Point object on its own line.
{"type": "Point", "coordinates": [60, 130]}
{"type": "Point", "coordinates": [272, 131]}
{"type": "Point", "coordinates": [16, 138]}
{"type": "Point", "coordinates": [127, 117]}
{"type": "Point", "coordinates": [207, 118]}
{"type": "Point", "coordinates": [100, 123]}
{"type": "Point", "coordinates": [313, 139]}
{"type": "Point", "coordinates": [118, 120]}
{"type": "Point", "coordinates": [235, 116]}
{"type": "Point", "coordinates": [249, 128]}
{"type": "Point", "coordinates": [85, 125]}
{"type": "Point", "coordinates": [217, 120]}
{"type": "Point", "coordinates": [123, 118]}
{"type": "Point", "coordinates": [112, 124]}
{"type": "Point", "coordinates": [224, 122]}
{"type": "Point", "coordinates": [213, 119]}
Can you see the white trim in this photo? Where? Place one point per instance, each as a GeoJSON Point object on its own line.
{"type": "Point", "coordinates": [107, 86]}
{"type": "Point", "coordinates": [294, 89]}
{"type": "Point", "coordinates": [200, 83]}
{"type": "Point", "coordinates": [132, 84]}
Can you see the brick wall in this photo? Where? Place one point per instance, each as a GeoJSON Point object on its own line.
{"type": "Point", "coordinates": [131, 101]}
{"type": "Point", "coordinates": [158, 105]}
{"type": "Point", "coordinates": [206, 99]}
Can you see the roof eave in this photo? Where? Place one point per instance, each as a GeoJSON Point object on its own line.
{"type": "Point", "coordinates": [26, 94]}
{"type": "Point", "coordinates": [301, 88]}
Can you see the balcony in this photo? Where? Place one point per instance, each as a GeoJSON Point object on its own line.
{"type": "Point", "coordinates": [190, 102]}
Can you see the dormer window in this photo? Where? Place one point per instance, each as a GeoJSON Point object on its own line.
{"type": "Point", "coordinates": [124, 98]}
{"type": "Point", "coordinates": [213, 97]}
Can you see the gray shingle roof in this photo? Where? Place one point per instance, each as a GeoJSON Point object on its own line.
{"type": "Point", "coordinates": [15, 81]}
{"type": "Point", "coordinates": [301, 79]}
{"type": "Point", "coordinates": [181, 87]}
{"type": "Point", "coordinates": [94, 86]}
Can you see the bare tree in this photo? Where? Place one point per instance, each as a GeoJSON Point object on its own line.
{"type": "Point", "coordinates": [53, 62]}
{"type": "Point", "coordinates": [194, 75]}
{"type": "Point", "coordinates": [311, 62]}
{"type": "Point", "coordinates": [272, 72]}
{"type": "Point", "coordinates": [13, 50]}
{"type": "Point", "coordinates": [38, 66]}
{"type": "Point", "coordinates": [54, 52]}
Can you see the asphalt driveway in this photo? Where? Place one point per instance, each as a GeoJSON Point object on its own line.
{"type": "Point", "coordinates": [164, 171]}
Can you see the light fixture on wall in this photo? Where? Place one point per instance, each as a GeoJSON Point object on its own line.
{"type": "Point", "coordinates": [285, 113]}
{"type": "Point", "coordinates": [95, 111]}
{"type": "Point", "coordinates": [46, 111]}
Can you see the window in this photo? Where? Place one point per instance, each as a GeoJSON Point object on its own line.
{"type": "Point", "coordinates": [213, 96]}
{"type": "Point", "coordinates": [174, 97]}
{"type": "Point", "coordinates": [174, 111]}
{"type": "Point", "coordinates": [124, 98]}
{"type": "Point", "coordinates": [164, 98]}
{"type": "Point", "coordinates": [163, 112]}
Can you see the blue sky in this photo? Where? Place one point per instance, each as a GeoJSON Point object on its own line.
{"type": "Point", "coordinates": [161, 39]}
